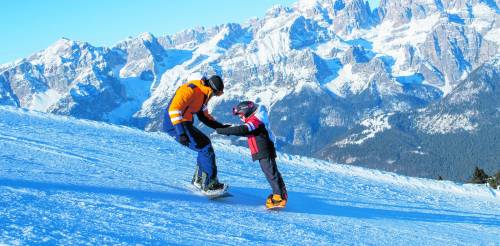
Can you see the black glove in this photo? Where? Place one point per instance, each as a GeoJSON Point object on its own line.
{"type": "Point", "coordinates": [184, 139]}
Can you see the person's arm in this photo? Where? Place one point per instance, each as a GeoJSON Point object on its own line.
{"type": "Point", "coordinates": [208, 120]}
{"type": "Point", "coordinates": [241, 130]}
{"type": "Point", "coordinates": [180, 102]}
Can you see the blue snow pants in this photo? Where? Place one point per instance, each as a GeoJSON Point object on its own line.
{"type": "Point", "coordinates": [200, 143]}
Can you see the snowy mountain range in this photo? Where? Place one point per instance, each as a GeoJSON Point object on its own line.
{"type": "Point", "coordinates": [324, 68]}
{"type": "Point", "coordinates": [454, 134]}
{"type": "Point", "coordinates": [71, 181]}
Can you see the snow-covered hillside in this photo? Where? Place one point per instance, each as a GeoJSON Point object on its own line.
{"type": "Point", "coordinates": [68, 181]}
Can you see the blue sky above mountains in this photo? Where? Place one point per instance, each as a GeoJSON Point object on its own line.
{"type": "Point", "coordinates": [29, 25]}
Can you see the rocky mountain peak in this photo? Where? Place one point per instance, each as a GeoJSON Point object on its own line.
{"type": "Point", "coordinates": [343, 15]}
{"type": "Point", "coordinates": [277, 10]}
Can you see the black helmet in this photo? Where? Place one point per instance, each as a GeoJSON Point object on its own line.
{"type": "Point", "coordinates": [215, 82]}
{"type": "Point", "coordinates": [245, 108]}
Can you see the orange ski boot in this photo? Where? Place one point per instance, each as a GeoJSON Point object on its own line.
{"type": "Point", "coordinates": [275, 201]}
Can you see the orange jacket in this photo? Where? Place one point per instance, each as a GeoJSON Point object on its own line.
{"type": "Point", "coordinates": [189, 99]}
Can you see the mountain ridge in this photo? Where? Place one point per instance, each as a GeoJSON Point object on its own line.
{"type": "Point", "coordinates": [449, 138]}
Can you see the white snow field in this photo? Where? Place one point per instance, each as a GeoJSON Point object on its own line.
{"type": "Point", "coordinates": [67, 181]}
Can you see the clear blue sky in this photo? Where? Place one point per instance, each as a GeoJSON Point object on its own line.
{"type": "Point", "coordinates": [27, 26]}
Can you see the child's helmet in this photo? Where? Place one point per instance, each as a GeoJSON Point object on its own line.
{"type": "Point", "coordinates": [245, 108]}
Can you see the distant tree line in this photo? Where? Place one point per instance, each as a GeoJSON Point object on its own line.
{"type": "Point", "coordinates": [480, 177]}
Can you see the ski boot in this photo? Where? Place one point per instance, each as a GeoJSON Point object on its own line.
{"type": "Point", "coordinates": [275, 201]}
{"type": "Point", "coordinates": [214, 187]}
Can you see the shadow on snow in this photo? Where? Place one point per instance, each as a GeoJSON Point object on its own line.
{"type": "Point", "coordinates": [299, 202]}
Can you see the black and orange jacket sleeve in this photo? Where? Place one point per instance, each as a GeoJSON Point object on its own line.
{"type": "Point", "coordinates": [191, 98]}
{"type": "Point", "coordinates": [182, 99]}
{"type": "Point", "coordinates": [180, 102]}
{"type": "Point", "coordinates": [207, 119]}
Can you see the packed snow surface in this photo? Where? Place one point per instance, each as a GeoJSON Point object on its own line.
{"type": "Point", "coordinates": [68, 181]}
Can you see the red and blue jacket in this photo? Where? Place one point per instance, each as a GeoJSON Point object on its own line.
{"type": "Point", "coordinates": [260, 137]}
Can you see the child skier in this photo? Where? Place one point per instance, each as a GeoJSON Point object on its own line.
{"type": "Point", "coordinates": [256, 128]}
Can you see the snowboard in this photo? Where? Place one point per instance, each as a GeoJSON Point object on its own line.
{"type": "Point", "coordinates": [210, 194]}
{"type": "Point", "coordinates": [275, 208]}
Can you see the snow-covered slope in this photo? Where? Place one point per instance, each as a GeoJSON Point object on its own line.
{"type": "Point", "coordinates": [68, 181]}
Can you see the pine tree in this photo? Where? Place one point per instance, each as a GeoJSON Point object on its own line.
{"type": "Point", "coordinates": [495, 181]}
{"type": "Point", "coordinates": [479, 176]}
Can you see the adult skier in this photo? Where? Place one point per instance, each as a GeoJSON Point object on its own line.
{"type": "Point", "coordinates": [191, 99]}
{"type": "Point", "coordinates": [260, 141]}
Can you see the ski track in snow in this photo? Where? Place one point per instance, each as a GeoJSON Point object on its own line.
{"type": "Point", "coordinates": [68, 181]}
